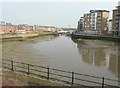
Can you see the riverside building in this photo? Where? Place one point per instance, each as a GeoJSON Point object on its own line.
{"type": "Point", "coordinates": [99, 19]}
{"type": "Point", "coordinates": [116, 21]}
{"type": "Point", "coordinates": [87, 18]}
{"type": "Point", "coordinates": [80, 26]}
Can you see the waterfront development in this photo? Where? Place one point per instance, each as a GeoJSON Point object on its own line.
{"type": "Point", "coordinates": [45, 48]}
{"type": "Point", "coordinates": [96, 57]}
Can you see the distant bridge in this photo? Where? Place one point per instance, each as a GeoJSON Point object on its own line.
{"type": "Point", "coordinates": [62, 32]}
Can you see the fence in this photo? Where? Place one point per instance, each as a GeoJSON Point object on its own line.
{"type": "Point", "coordinates": [67, 77]}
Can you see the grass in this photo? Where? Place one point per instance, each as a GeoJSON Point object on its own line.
{"type": "Point", "coordinates": [18, 79]}
{"type": "Point", "coordinates": [24, 37]}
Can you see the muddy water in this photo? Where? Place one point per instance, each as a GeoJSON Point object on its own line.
{"type": "Point", "coordinates": [92, 57]}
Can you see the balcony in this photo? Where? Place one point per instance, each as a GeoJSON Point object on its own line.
{"type": "Point", "coordinates": [116, 18]}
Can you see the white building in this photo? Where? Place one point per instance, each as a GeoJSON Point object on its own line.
{"type": "Point", "coordinates": [93, 20]}
{"type": "Point", "coordinates": [2, 23]}
{"type": "Point", "coordinates": [21, 31]}
{"type": "Point", "coordinates": [110, 25]}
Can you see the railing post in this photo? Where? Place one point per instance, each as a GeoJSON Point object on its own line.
{"type": "Point", "coordinates": [28, 69]}
{"type": "Point", "coordinates": [72, 78]}
{"type": "Point", "coordinates": [12, 65]}
{"type": "Point", "coordinates": [103, 82]}
{"type": "Point", "coordinates": [48, 69]}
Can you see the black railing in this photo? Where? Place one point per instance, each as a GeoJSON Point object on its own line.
{"type": "Point", "coordinates": [67, 77]}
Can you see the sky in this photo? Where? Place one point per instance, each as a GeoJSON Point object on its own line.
{"type": "Point", "coordinates": [58, 14]}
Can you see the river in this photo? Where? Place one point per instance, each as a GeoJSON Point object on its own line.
{"type": "Point", "coordinates": [93, 57]}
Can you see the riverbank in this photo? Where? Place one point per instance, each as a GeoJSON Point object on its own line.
{"type": "Point", "coordinates": [95, 37]}
{"type": "Point", "coordinates": [22, 37]}
{"type": "Point", "coordinates": [10, 78]}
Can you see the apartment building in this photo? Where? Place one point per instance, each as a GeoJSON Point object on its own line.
{"type": "Point", "coordinates": [87, 18]}
{"type": "Point", "coordinates": [99, 19]}
{"type": "Point", "coordinates": [7, 29]}
{"type": "Point", "coordinates": [116, 21]}
{"type": "Point", "coordinates": [80, 26]}
{"type": "Point", "coordinates": [93, 20]}
{"type": "Point", "coordinates": [44, 28]}
{"type": "Point", "coordinates": [2, 23]}
{"type": "Point", "coordinates": [109, 27]}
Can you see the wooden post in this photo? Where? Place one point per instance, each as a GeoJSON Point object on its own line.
{"type": "Point", "coordinates": [48, 73]}
{"type": "Point", "coordinates": [103, 82]}
{"type": "Point", "coordinates": [72, 78]}
{"type": "Point", "coordinates": [28, 69]}
{"type": "Point", "coordinates": [12, 65]}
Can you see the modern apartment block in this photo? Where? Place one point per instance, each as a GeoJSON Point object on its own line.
{"type": "Point", "coordinates": [118, 18]}
{"type": "Point", "coordinates": [87, 18]}
{"type": "Point", "coordinates": [84, 23]}
{"type": "Point", "coordinates": [95, 21]}
{"type": "Point", "coordinates": [80, 26]}
{"type": "Point", "coordinates": [116, 21]}
{"type": "Point", "coordinates": [109, 25]}
{"type": "Point", "coordinates": [99, 19]}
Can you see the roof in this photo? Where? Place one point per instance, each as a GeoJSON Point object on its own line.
{"type": "Point", "coordinates": [98, 11]}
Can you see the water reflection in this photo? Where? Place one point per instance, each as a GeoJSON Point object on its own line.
{"type": "Point", "coordinates": [100, 56]}
{"type": "Point", "coordinates": [113, 64]}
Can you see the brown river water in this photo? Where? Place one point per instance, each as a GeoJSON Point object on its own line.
{"type": "Point", "coordinates": [93, 57]}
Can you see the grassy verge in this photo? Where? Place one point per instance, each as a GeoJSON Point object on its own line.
{"type": "Point", "coordinates": [10, 78]}
{"type": "Point", "coordinates": [23, 37]}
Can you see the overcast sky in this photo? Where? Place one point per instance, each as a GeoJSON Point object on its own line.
{"type": "Point", "coordinates": [59, 14]}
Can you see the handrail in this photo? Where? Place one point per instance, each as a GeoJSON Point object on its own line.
{"type": "Point", "coordinates": [60, 75]}
{"type": "Point", "coordinates": [87, 80]}
{"type": "Point", "coordinates": [88, 75]}
{"type": "Point", "coordinates": [48, 73]}
{"type": "Point", "coordinates": [38, 70]}
{"type": "Point", "coordinates": [60, 70]}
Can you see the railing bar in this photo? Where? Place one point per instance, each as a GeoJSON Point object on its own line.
{"type": "Point", "coordinates": [5, 60]}
{"type": "Point", "coordinates": [111, 85]}
{"type": "Point", "coordinates": [30, 64]}
{"type": "Point", "coordinates": [88, 75]}
{"type": "Point", "coordinates": [37, 70]}
{"type": "Point", "coordinates": [38, 66]}
{"type": "Point", "coordinates": [23, 63]}
{"type": "Point", "coordinates": [6, 64]}
{"type": "Point", "coordinates": [60, 75]}
{"type": "Point", "coordinates": [20, 67]}
{"type": "Point", "coordinates": [37, 75]}
{"type": "Point", "coordinates": [84, 85]}
{"type": "Point", "coordinates": [18, 62]}
{"type": "Point", "coordinates": [30, 69]}
{"type": "Point", "coordinates": [60, 80]}
{"type": "Point", "coordinates": [60, 70]}
{"type": "Point", "coordinates": [87, 80]}
{"type": "Point", "coordinates": [7, 67]}
{"type": "Point", "coordinates": [112, 79]}
{"type": "Point", "coordinates": [22, 71]}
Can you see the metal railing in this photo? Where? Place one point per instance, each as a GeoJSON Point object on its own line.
{"type": "Point", "coordinates": [67, 77]}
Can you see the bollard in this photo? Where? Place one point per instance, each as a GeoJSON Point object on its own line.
{"type": "Point", "coordinates": [28, 69]}
{"type": "Point", "coordinates": [72, 78]}
{"type": "Point", "coordinates": [103, 82]}
{"type": "Point", "coordinates": [48, 73]}
{"type": "Point", "coordinates": [12, 65]}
